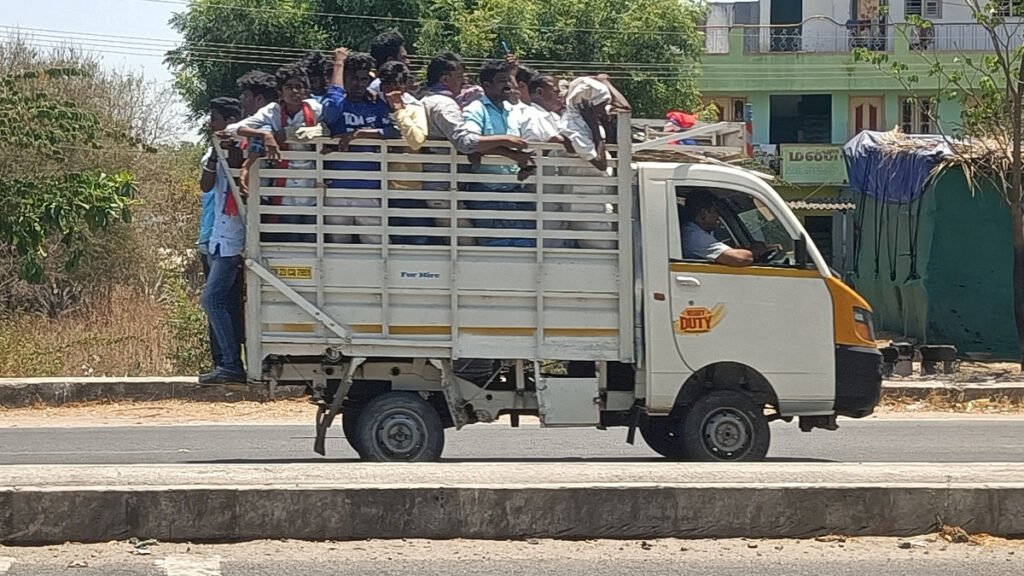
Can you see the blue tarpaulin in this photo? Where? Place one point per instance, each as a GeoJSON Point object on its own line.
{"type": "Point", "coordinates": [899, 177]}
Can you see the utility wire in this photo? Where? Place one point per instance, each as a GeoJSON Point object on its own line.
{"type": "Point", "coordinates": [255, 53]}
{"type": "Point", "coordinates": [416, 20]}
{"type": "Point", "coordinates": [269, 61]}
{"type": "Point", "coordinates": [290, 53]}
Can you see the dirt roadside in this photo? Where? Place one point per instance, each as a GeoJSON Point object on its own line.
{"type": "Point", "coordinates": [300, 412]}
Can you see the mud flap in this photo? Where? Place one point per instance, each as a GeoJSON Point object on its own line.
{"type": "Point", "coordinates": [452, 392]}
{"type": "Point", "coordinates": [327, 413]}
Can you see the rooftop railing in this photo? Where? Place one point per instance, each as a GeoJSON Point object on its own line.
{"type": "Point", "coordinates": [824, 35]}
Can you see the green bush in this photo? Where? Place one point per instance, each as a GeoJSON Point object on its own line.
{"type": "Point", "coordinates": [189, 350]}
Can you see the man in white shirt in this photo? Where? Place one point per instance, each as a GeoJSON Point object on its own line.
{"type": "Point", "coordinates": [587, 125]}
{"type": "Point", "coordinates": [222, 295]}
{"type": "Point", "coordinates": [540, 123]}
{"type": "Point", "coordinates": [700, 216]}
{"type": "Point", "coordinates": [540, 119]}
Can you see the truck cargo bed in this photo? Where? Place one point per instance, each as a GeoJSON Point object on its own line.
{"type": "Point", "coordinates": [444, 286]}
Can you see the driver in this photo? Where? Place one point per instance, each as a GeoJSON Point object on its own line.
{"type": "Point", "coordinates": [701, 217]}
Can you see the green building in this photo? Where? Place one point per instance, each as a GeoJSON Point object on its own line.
{"type": "Point", "coordinates": [792, 61]}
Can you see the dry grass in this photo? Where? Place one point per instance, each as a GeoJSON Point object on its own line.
{"type": "Point", "coordinates": [984, 160]}
{"type": "Point", "coordinates": [957, 535]}
{"type": "Point", "coordinates": [952, 401]}
{"type": "Point", "coordinates": [124, 335]}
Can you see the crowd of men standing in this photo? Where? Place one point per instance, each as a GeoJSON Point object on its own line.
{"type": "Point", "coordinates": [365, 96]}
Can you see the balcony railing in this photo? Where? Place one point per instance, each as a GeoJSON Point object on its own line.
{"type": "Point", "coordinates": [824, 35]}
{"type": "Point", "coordinates": [965, 37]}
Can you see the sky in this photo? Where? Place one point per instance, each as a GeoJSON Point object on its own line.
{"type": "Point", "coordinates": [136, 18]}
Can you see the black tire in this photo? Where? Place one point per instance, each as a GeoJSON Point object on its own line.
{"type": "Point", "coordinates": [726, 426]}
{"type": "Point", "coordinates": [662, 434]}
{"type": "Point", "coordinates": [400, 427]}
{"type": "Point", "coordinates": [350, 427]}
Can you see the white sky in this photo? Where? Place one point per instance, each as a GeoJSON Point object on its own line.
{"type": "Point", "coordinates": [135, 18]}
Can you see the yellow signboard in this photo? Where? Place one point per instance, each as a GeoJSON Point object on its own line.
{"type": "Point", "coordinates": [293, 272]}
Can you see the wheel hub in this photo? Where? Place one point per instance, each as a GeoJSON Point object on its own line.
{"type": "Point", "coordinates": [401, 434]}
{"type": "Point", "coordinates": [726, 433]}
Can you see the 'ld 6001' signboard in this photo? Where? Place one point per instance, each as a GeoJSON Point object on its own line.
{"type": "Point", "coordinates": [813, 164]}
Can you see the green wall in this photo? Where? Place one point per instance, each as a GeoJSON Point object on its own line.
{"type": "Point", "coordinates": [964, 293]}
{"type": "Point", "coordinates": [758, 76]}
{"type": "Point", "coordinates": [971, 283]}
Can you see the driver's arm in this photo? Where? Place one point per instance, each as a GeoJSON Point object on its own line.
{"type": "Point", "coordinates": [759, 249]}
{"type": "Point", "coordinates": [735, 257]}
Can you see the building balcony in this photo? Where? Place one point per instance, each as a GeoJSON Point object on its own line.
{"type": "Point", "coordinates": [822, 35]}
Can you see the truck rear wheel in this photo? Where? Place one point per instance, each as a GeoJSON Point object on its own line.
{"type": "Point", "coordinates": [350, 427]}
{"type": "Point", "coordinates": [662, 435]}
{"type": "Point", "coordinates": [726, 425]}
{"type": "Point", "coordinates": [399, 427]}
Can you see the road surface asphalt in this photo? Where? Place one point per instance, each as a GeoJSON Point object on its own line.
{"type": "Point", "coordinates": [877, 440]}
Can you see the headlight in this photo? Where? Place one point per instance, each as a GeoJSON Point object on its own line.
{"type": "Point", "coordinates": [864, 324]}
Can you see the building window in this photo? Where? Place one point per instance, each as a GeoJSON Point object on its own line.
{"type": "Point", "coordinates": [923, 8]}
{"type": "Point", "coordinates": [800, 119]}
{"type": "Point", "coordinates": [729, 109]}
{"type": "Point", "coordinates": [916, 116]}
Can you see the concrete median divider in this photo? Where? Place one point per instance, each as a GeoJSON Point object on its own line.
{"type": "Point", "coordinates": [24, 392]}
{"type": "Point", "coordinates": [54, 504]}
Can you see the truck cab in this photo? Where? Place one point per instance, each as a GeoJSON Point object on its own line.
{"type": "Point", "coordinates": [589, 314]}
{"type": "Point", "coordinates": [783, 333]}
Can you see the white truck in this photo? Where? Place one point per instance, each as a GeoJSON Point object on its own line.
{"type": "Point", "coordinates": [425, 303]}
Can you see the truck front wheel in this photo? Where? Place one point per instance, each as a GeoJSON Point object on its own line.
{"type": "Point", "coordinates": [726, 425]}
{"type": "Point", "coordinates": [399, 427]}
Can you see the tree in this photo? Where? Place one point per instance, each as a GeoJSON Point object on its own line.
{"type": "Point", "coordinates": [39, 200]}
{"type": "Point", "coordinates": [649, 47]}
{"type": "Point", "coordinates": [989, 89]}
{"type": "Point", "coordinates": [224, 39]}
{"type": "Point", "coordinates": [362, 20]}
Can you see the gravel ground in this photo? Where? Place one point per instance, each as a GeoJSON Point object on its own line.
{"type": "Point", "coordinates": [919, 556]}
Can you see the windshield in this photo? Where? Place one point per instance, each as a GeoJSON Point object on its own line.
{"type": "Point", "coordinates": [761, 224]}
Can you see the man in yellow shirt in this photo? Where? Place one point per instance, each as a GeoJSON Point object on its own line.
{"type": "Point", "coordinates": [410, 117]}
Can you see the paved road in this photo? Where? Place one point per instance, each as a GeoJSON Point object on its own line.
{"type": "Point", "coordinates": [912, 440]}
{"type": "Point", "coordinates": [464, 558]}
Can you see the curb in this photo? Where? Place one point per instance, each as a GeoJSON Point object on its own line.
{"type": "Point", "coordinates": [966, 392]}
{"type": "Point", "coordinates": [23, 393]}
{"type": "Point", "coordinates": [26, 392]}
{"type": "Point", "coordinates": [55, 504]}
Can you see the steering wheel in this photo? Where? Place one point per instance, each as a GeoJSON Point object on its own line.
{"type": "Point", "coordinates": [769, 256]}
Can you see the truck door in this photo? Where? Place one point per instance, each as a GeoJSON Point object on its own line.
{"type": "Point", "coordinates": [773, 316]}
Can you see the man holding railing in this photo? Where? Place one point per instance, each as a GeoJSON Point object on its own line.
{"type": "Point", "coordinates": [489, 116]}
{"type": "Point", "coordinates": [352, 113]}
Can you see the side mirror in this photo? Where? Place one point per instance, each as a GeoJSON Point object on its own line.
{"type": "Point", "coordinates": [800, 251]}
